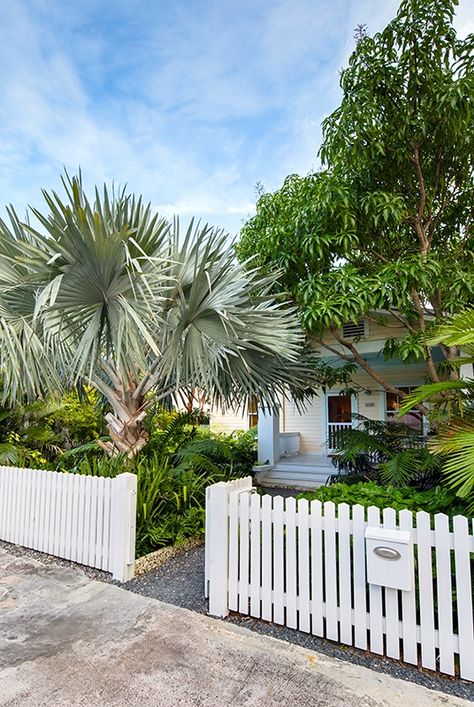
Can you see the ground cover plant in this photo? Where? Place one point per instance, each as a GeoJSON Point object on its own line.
{"type": "Point", "coordinates": [370, 493]}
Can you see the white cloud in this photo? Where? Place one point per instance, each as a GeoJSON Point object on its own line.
{"type": "Point", "coordinates": [189, 103]}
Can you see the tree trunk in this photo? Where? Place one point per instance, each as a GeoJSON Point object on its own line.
{"type": "Point", "coordinates": [125, 423]}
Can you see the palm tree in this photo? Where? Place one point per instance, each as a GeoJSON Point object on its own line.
{"type": "Point", "coordinates": [452, 408]}
{"type": "Point", "coordinates": [107, 293]}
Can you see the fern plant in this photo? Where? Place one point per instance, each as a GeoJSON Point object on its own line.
{"type": "Point", "coordinates": [389, 452]}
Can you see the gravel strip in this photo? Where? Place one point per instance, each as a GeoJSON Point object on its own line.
{"type": "Point", "coordinates": [180, 581]}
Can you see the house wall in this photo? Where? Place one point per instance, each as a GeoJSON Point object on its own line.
{"type": "Point", "coordinates": [378, 334]}
{"type": "Point", "coordinates": [370, 402]}
{"type": "Point", "coordinates": [228, 420]}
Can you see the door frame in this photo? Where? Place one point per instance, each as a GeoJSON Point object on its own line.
{"type": "Point", "coordinates": [354, 409]}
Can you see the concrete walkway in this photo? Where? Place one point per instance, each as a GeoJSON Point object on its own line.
{"type": "Point", "coordinates": [68, 640]}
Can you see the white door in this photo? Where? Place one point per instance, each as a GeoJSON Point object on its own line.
{"type": "Point", "coordinates": [338, 416]}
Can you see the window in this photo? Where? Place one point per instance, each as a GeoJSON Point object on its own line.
{"type": "Point", "coordinates": [353, 330]}
{"type": "Point", "coordinates": [252, 412]}
{"type": "Point", "coordinates": [413, 418]}
{"type": "Point", "coordinates": [339, 409]}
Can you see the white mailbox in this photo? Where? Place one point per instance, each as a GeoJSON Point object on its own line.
{"type": "Point", "coordinates": [389, 558]}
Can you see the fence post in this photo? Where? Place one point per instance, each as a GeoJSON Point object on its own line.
{"type": "Point", "coordinates": [123, 526]}
{"type": "Point", "coordinates": [217, 547]}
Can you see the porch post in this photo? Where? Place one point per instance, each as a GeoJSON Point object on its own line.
{"type": "Point", "coordinates": [268, 436]}
{"type": "Point", "coordinates": [467, 369]}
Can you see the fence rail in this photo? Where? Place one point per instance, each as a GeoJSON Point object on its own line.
{"type": "Point", "coordinates": [86, 519]}
{"type": "Point", "coordinates": [305, 565]}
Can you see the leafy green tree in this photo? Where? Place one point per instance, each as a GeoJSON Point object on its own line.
{"type": "Point", "coordinates": [384, 231]}
{"type": "Point", "coordinates": [106, 293]}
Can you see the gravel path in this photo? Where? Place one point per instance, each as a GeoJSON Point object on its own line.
{"type": "Point", "coordinates": [180, 581]}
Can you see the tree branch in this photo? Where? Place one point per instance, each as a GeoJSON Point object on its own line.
{"type": "Point", "coordinates": [371, 372]}
{"type": "Point", "coordinates": [421, 318]}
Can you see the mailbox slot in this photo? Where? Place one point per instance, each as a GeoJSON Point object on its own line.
{"type": "Point", "coordinates": [389, 558]}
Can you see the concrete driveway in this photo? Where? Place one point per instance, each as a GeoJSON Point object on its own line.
{"type": "Point", "coordinates": [68, 640]}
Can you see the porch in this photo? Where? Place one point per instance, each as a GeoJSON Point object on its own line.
{"type": "Point", "coordinates": [300, 471]}
{"type": "Point", "coordinates": [282, 463]}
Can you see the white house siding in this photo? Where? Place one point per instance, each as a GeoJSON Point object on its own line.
{"type": "Point", "coordinates": [229, 420]}
{"type": "Point", "coordinates": [377, 335]}
{"type": "Point", "coordinates": [310, 424]}
{"type": "Point", "coordinates": [370, 402]}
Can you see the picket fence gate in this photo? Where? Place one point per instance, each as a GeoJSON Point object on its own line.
{"type": "Point", "coordinates": [87, 519]}
{"type": "Point", "coordinates": [303, 565]}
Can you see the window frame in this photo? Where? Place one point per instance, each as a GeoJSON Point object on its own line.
{"type": "Point", "coordinates": [408, 389]}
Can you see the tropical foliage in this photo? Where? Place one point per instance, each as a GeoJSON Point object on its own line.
{"type": "Point", "coordinates": [172, 478]}
{"type": "Point", "coordinates": [39, 433]}
{"type": "Point", "coordinates": [370, 493]}
{"type": "Point", "coordinates": [106, 293]}
{"type": "Point", "coordinates": [384, 231]}
{"type": "Point", "coordinates": [389, 452]}
{"type": "Point", "coordinates": [452, 408]}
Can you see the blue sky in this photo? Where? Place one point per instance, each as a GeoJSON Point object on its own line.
{"type": "Point", "coordinates": [188, 102]}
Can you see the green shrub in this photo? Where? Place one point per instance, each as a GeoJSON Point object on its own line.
{"type": "Point", "coordinates": [369, 493]}
{"type": "Point", "coordinates": [170, 500]}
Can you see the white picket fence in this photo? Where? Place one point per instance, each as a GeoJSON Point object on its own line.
{"type": "Point", "coordinates": [304, 565]}
{"type": "Point", "coordinates": [86, 519]}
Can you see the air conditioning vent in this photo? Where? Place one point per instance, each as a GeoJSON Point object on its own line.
{"type": "Point", "coordinates": [354, 331]}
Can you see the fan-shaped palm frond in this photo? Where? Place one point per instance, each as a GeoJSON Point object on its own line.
{"type": "Point", "coordinates": [109, 293]}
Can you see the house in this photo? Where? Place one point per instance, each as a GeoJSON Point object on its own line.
{"type": "Point", "coordinates": [297, 446]}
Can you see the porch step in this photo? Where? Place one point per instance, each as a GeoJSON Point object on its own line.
{"type": "Point", "coordinates": [306, 479]}
{"type": "Point", "coordinates": [298, 468]}
{"type": "Point", "coordinates": [291, 482]}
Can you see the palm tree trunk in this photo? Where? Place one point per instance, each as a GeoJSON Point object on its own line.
{"type": "Point", "coordinates": [125, 422]}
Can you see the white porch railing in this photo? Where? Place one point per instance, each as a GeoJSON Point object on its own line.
{"type": "Point", "coordinates": [333, 429]}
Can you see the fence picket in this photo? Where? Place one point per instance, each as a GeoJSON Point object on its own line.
{"type": "Point", "coordinates": [317, 596]}
{"type": "Point", "coordinates": [464, 596]}
{"type": "Point", "coordinates": [425, 585]}
{"type": "Point", "coordinates": [244, 552]}
{"type": "Point", "coordinates": [267, 558]}
{"type": "Point", "coordinates": [255, 549]}
{"type": "Point", "coordinates": [86, 535]}
{"type": "Point", "coordinates": [291, 555]}
{"type": "Point", "coordinates": [410, 645]}
{"type": "Point", "coordinates": [278, 561]}
{"type": "Point", "coordinates": [391, 599]}
{"type": "Point", "coordinates": [360, 587]}
{"type": "Point", "coordinates": [375, 597]}
{"type": "Point", "coordinates": [234, 551]}
{"type": "Point", "coordinates": [344, 571]}
{"type": "Point", "coordinates": [330, 567]}
{"type": "Point", "coordinates": [106, 537]}
{"type": "Point", "coordinates": [304, 623]}
{"type": "Point", "coordinates": [445, 594]}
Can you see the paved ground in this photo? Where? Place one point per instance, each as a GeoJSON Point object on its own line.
{"type": "Point", "coordinates": [68, 640]}
{"type": "Point", "coordinates": [180, 581]}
